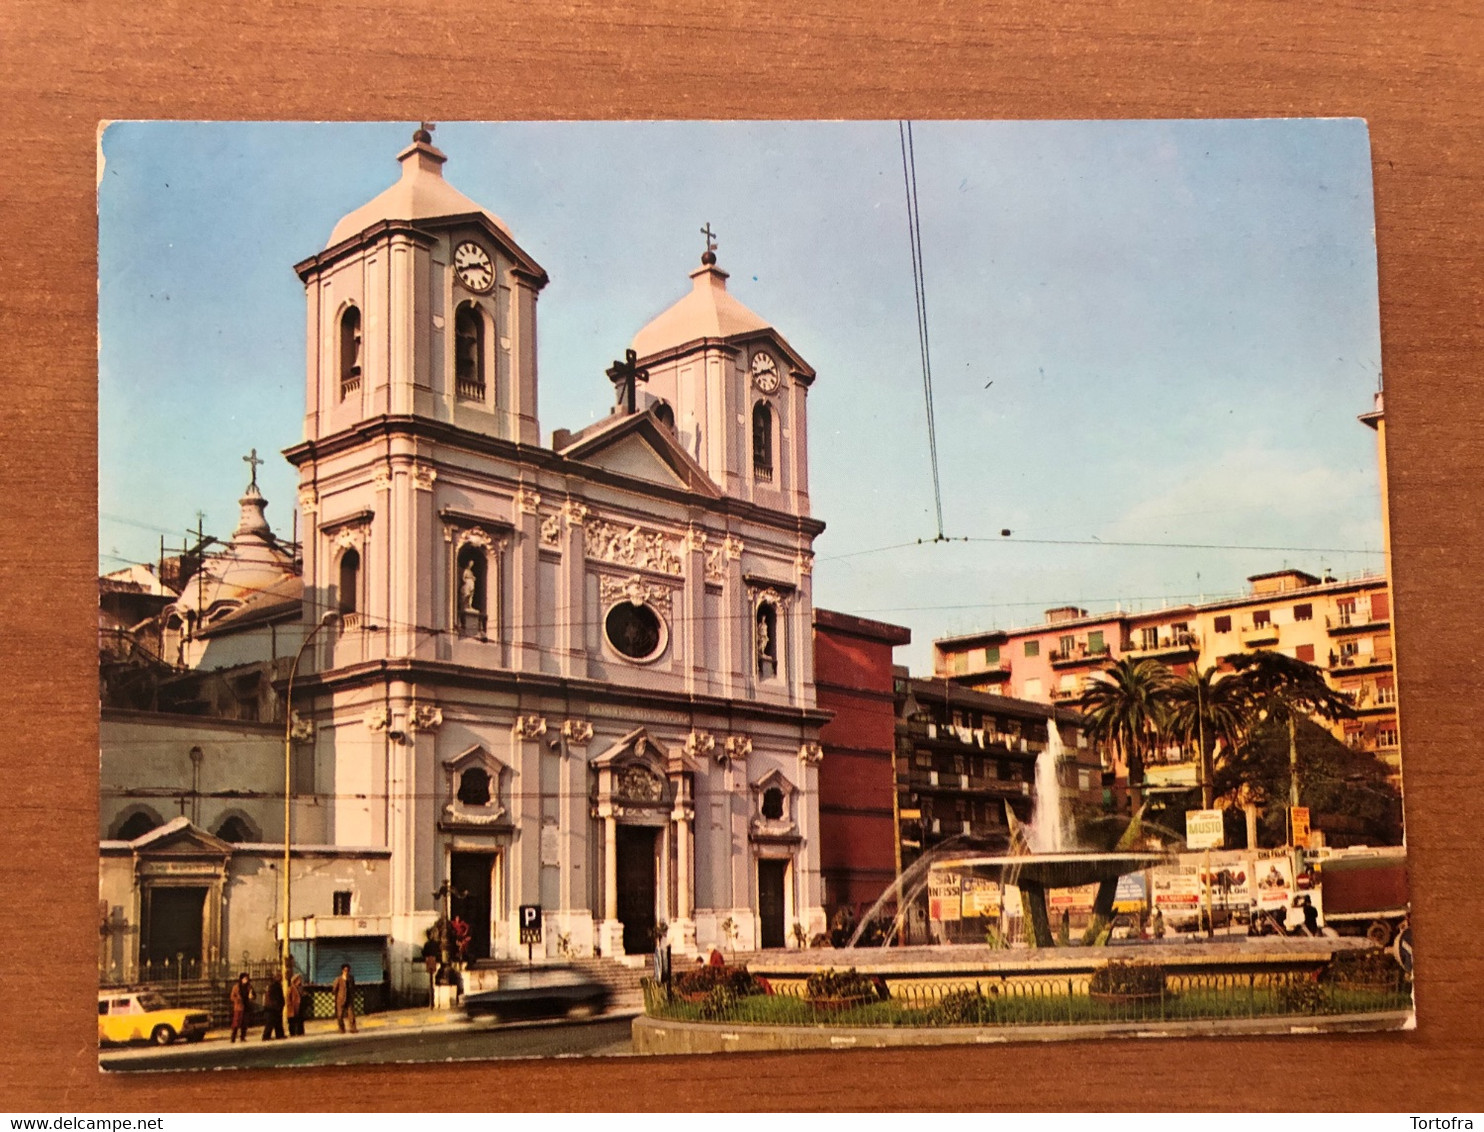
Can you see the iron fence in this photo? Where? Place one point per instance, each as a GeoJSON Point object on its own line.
{"type": "Point", "coordinates": [1011, 1001]}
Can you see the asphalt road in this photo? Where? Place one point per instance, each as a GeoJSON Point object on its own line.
{"type": "Point", "coordinates": [604, 1036]}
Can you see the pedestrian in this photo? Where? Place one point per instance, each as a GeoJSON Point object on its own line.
{"type": "Point", "coordinates": [296, 1005]}
{"type": "Point", "coordinates": [273, 1003]}
{"type": "Point", "coordinates": [1159, 924]}
{"type": "Point", "coordinates": [345, 999]}
{"type": "Point", "coordinates": [242, 997]}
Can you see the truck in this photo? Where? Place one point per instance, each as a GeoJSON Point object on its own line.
{"type": "Point", "coordinates": [1365, 891]}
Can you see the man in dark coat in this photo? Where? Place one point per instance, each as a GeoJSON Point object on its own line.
{"type": "Point", "coordinates": [296, 1006]}
{"type": "Point", "coordinates": [242, 997]}
{"type": "Point", "coordinates": [345, 998]}
{"type": "Point", "coordinates": [273, 1010]}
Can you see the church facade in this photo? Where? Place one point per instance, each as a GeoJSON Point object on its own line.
{"type": "Point", "coordinates": [578, 676]}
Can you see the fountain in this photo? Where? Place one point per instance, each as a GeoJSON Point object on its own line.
{"type": "Point", "coordinates": [1041, 857]}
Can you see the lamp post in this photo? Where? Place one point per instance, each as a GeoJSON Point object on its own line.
{"type": "Point", "coordinates": [288, 781]}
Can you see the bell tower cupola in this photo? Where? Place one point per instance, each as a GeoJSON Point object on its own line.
{"type": "Point", "coordinates": [733, 390]}
{"type": "Point", "coordinates": [422, 304]}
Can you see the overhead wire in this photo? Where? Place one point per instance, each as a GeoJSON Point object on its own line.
{"type": "Point", "coordinates": [919, 294]}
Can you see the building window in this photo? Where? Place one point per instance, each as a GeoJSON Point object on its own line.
{"type": "Point", "coordinates": [1304, 653]}
{"type": "Point", "coordinates": [1065, 646]}
{"type": "Point", "coordinates": [474, 787]}
{"type": "Point", "coordinates": [1303, 612]}
{"type": "Point", "coordinates": [350, 351]}
{"type": "Point", "coordinates": [472, 571]}
{"type": "Point", "coordinates": [1261, 618]}
{"type": "Point", "coordinates": [1345, 607]}
{"type": "Point", "coordinates": [665, 415]}
{"type": "Point", "coordinates": [766, 639]}
{"type": "Point", "coordinates": [1033, 648]}
{"type": "Point", "coordinates": [236, 830]}
{"type": "Point", "coordinates": [1223, 624]}
{"type": "Point", "coordinates": [468, 334]}
{"type": "Point", "coordinates": [1149, 637]}
{"type": "Point", "coordinates": [636, 631]}
{"type": "Point", "coordinates": [1095, 645]}
{"type": "Point", "coordinates": [340, 903]}
{"type": "Point", "coordinates": [137, 825]}
{"type": "Point", "coordinates": [773, 804]}
{"type": "Point", "coordinates": [350, 582]}
{"type": "Point", "coordinates": [992, 654]}
{"type": "Point", "coordinates": [762, 441]}
{"type": "Point", "coordinates": [1388, 737]}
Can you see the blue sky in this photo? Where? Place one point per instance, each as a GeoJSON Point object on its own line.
{"type": "Point", "coordinates": [1141, 331]}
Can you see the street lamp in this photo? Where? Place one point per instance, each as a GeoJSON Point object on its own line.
{"type": "Point", "coordinates": [328, 618]}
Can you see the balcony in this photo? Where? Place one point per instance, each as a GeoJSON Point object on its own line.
{"type": "Point", "coordinates": [1254, 636]}
{"type": "Point", "coordinates": [1080, 654]}
{"type": "Point", "coordinates": [1355, 662]}
{"type": "Point", "coordinates": [995, 673]}
{"type": "Point", "coordinates": [1354, 620]}
{"type": "Point", "coordinates": [1182, 644]}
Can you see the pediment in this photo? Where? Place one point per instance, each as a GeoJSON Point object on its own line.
{"type": "Point", "coordinates": [180, 838]}
{"type": "Point", "coordinates": [637, 445]}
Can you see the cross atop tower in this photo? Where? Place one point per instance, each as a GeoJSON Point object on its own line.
{"type": "Point", "coordinates": [708, 257]}
{"type": "Point", "coordinates": [252, 461]}
{"type": "Point", "coordinates": [424, 132]}
{"type": "Point", "coordinates": [626, 376]}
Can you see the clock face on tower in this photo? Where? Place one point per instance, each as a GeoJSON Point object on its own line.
{"type": "Point", "coordinates": [765, 372]}
{"type": "Point", "coordinates": [473, 265]}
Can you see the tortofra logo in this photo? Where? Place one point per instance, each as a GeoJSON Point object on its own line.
{"type": "Point", "coordinates": [1432, 1123]}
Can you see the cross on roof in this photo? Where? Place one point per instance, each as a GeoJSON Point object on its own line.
{"type": "Point", "coordinates": [252, 461]}
{"type": "Point", "coordinates": [709, 255]}
{"type": "Point", "coordinates": [424, 132]}
{"type": "Point", "coordinates": [625, 376]}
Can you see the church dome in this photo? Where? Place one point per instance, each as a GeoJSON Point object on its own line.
{"type": "Point", "coordinates": [709, 311]}
{"type": "Point", "coordinates": [253, 569]}
{"type": "Point", "coordinates": [420, 194]}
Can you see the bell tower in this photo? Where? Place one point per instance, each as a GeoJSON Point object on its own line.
{"type": "Point", "coordinates": [732, 389]}
{"type": "Point", "coordinates": [422, 304]}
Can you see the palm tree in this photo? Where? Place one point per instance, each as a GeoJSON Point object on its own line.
{"type": "Point", "coordinates": [1205, 708]}
{"type": "Point", "coordinates": [1124, 706]}
{"type": "Point", "coordinates": [1287, 690]}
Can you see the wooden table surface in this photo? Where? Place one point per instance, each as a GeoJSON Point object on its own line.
{"type": "Point", "coordinates": [1412, 68]}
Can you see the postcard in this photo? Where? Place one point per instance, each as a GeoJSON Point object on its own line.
{"type": "Point", "coordinates": [688, 587]}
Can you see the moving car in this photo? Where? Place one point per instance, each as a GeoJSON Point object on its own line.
{"type": "Point", "coordinates": [146, 1016]}
{"type": "Point", "coordinates": [540, 992]}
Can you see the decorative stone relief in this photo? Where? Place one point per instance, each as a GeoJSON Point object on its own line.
{"type": "Point", "coordinates": [578, 731]}
{"type": "Point", "coordinates": [633, 546]}
{"type": "Point", "coordinates": [700, 744]}
{"type": "Point", "coordinates": [424, 717]}
{"type": "Point", "coordinates": [478, 536]}
{"type": "Point", "coordinates": [528, 727]}
{"type": "Point", "coordinates": [423, 476]}
{"type": "Point", "coordinates": [378, 718]}
{"type": "Point", "coordinates": [300, 729]}
{"type": "Point", "coordinates": [575, 512]}
{"type": "Point", "coordinates": [811, 753]}
{"type": "Point", "coordinates": [768, 594]}
{"type": "Point", "coordinates": [382, 479]}
{"type": "Point", "coordinates": [308, 501]}
{"type": "Point", "coordinates": [733, 546]}
{"type": "Point", "coordinates": [736, 748]}
{"type": "Point", "coordinates": [636, 591]}
{"type": "Point", "coordinates": [527, 502]}
{"type": "Point", "coordinates": [716, 570]}
{"type": "Point", "coordinates": [805, 563]}
{"type": "Point", "coordinates": [551, 529]}
{"type": "Point", "coordinates": [638, 784]}
{"type": "Point", "coordinates": [695, 538]}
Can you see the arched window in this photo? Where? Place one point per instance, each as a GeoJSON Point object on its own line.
{"type": "Point", "coordinates": [137, 825]}
{"type": "Point", "coordinates": [766, 639]}
{"type": "Point", "coordinates": [474, 787]}
{"type": "Point", "coordinates": [471, 570]}
{"type": "Point", "coordinates": [350, 352]}
{"type": "Point", "coordinates": [350, 581]}
{"type": "Point", "coordinates": [762, 441]}
{"type": "Point", "coordinates": [468, 334]}
{"type": "Point", "coordinates": [665, 415]}
{"type": "Point", "coordinates": [237, 830]}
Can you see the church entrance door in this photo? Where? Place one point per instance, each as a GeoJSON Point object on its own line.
{"type": "Point", "coordinates": [770, 881]}
{"type": "Point", "coordinates": [175, 921]}
{"type": "Point", "coordinates": [472, 877]}
{"type": "Point", "coordinates": [636, 886]}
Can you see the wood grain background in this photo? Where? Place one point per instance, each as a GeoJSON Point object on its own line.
{"type": "Point", "coordinates": [1412, 68]}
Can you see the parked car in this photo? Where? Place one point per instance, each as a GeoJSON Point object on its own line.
{"type": "Point", "coordinates": [146, 1016]}
{"type": "Point", "coordinates": [540, 992]}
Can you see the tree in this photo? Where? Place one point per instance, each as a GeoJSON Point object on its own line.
{"type": "Point", "coordinates": [1286, 691]}
{"type": "Point", "coordinates": [1124, 706]}
{"type": "Point", "coordinates": [1204, 708]}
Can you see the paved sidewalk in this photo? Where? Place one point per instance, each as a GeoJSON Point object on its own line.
{"type": "Point", "coordinates": [418, 1017]}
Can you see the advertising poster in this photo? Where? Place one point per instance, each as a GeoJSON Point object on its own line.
{"type": "Point", "coordinates": [1132, 896]}
{"type": "Point", "coordinates": [1274, 880]}
{"type": "Point", "coordinates": [943, 896]}
{"type": "Point", "coordinates": [1177, 891]}
{"type": "Point", "coordinates": [1231, 877]}
{"type": "Point", "coordinates": [1077, 901]}
{"type": "Point", "coordinates": [981, 897]}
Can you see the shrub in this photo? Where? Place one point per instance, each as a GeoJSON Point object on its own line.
{"type": "Point", "coordinates": [1301, 994]}
{"type": "Point", "coordinates": [1369, 968]}
{"type": "Point", "coordinates": [702, 980]}
{"type": "Point", "coordinates": [1119, 977]}
{"type": "Point", "coordinates": [965, 1007]}
{"type": "Point", "coordinates": [831, 983]}
{"type": "Point", "coordinates": [719, 1003]}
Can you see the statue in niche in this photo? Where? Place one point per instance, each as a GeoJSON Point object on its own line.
{"type": "Point", "coordinates": [467, 586]}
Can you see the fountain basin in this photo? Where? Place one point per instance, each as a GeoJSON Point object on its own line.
{"type": "Point", "coordinates": [1051, 870]}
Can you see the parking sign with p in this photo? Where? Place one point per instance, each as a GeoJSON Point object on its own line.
{"type": "Point", "coordinates": [530, 923]}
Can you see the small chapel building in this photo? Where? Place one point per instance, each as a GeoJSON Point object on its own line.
{"type": "Point", "coordinates": [578, 676]}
